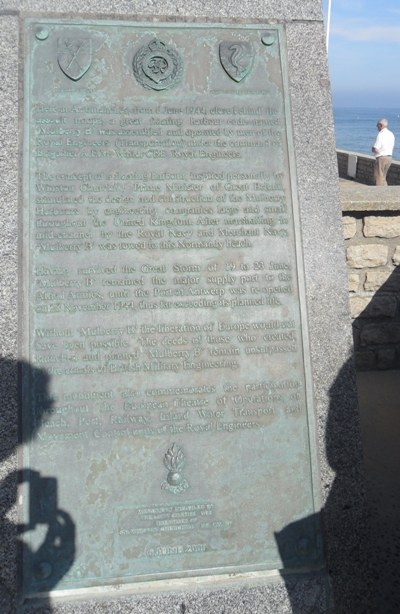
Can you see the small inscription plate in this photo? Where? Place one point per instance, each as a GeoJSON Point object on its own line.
{"type": "Point", "coordinates": [166, 413]}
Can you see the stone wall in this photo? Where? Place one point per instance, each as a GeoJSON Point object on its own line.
{"type": "Point", "coordinates": [365, 168]}
{"type": "Point", "coordinates": [371, 224]}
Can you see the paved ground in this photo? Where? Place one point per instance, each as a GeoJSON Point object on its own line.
{"type": "Point", "coordinates": [379, 400]}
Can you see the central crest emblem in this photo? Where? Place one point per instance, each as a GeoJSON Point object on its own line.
{"type": "Point", "coordinates": [236, 59]}
{"type": "Point", "coordinates": [157, 66]}
{"type": "Point", "coordinates": [74, 56]}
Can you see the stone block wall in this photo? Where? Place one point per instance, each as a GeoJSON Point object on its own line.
{"type": "Point", "coordinates": [365, 168]}
{"type": "Point", "coordinates": [371, 226]}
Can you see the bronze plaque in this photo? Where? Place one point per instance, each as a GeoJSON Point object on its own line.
{"type": "Point", "coordinates": [167, 418]}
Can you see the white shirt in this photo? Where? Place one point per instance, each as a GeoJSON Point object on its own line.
{"type": "Point", "coordinates": [384, 143]}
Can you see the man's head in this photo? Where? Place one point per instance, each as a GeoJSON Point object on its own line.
{"type": "Point", "coordinates": [382, 123]}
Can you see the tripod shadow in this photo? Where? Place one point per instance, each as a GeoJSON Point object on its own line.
{"type": "Point", "coordinates": [40, 568]}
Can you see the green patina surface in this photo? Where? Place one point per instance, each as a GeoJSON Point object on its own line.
{"type": "Point", "coordinates": [168, 413]}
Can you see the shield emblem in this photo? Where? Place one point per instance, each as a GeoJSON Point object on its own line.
{"type": "Point", "coordinates": [74, 56]}
{"type": "Point", "coordinates": [236, 58]}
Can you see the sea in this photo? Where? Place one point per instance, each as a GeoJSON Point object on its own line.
{"type": "Point", "coordinates": [355, 128]}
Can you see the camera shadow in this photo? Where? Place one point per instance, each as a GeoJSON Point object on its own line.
{"type": "Point", "coordinates": [39, 568]}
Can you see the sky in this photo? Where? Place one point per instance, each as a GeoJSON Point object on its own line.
{"type": "Point", "coordinates": [364, 53]}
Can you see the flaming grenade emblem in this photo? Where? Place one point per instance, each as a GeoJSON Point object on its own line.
{"type": "Point", "coordinates": [174, 461]}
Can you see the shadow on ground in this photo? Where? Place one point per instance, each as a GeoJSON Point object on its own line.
{"type": "Point", "coordinates": [362, 512]}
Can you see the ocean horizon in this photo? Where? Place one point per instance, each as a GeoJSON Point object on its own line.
{"type": "Point", "coordinates": [355, 128]}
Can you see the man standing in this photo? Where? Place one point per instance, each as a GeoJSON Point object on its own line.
{"type": "Point", "coordinates": [383, 149]}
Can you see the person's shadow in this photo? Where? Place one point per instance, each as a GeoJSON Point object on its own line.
{"type": "Point", "coordinates": [362, 548]}
{"type": "Point", "coordinates": [342, 520]}
{"type": "Point", "coordinates": [38, 570]}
